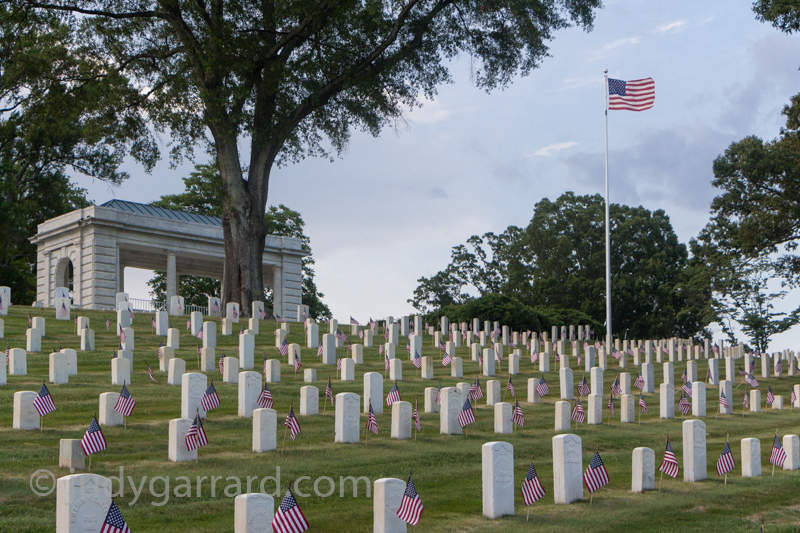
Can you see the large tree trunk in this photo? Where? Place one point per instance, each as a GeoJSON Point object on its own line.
{"type": "Point", "coordinates": [243, 209]}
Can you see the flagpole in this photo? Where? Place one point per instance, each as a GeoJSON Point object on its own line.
{"type": "Point", "coordinates": [608, 231]}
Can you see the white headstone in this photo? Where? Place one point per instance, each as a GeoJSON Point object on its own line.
{"type": "Point", "coordinates": [698, 398]}
{"type": "Point", "coordinates": [178, 428]}
{"type": "Point", "coordinates": [208, 360]}
{"type": "Point", "coordinates": [488, 362]}
{"type": "Point", "coordinates": [253, 513]}
{"type": "Point", "coordinates": [627, 409]}
{"type": "Point", "coordinates": [167, 353]}
{"type": "Point", "coordinates": [563, 411]}
{"type": "Point", "coordinates": [533, 396]}
{"type": "Point", "coordinates": [726, 388]}
{"type": "Point", "coordinates": [247, 346]}
{"type": "Point", "coordinates": [498, 479]}
{"type": "Point", "coordinates": [347, 420]}
{"type": "Point", "coordinates": [649, 378]}
{"type": "Point", "coordinates": [566, 384]}
{"type": "Point", "coordinates": [232, 312]}
{"type": "Point", "coordinates": [249, 389]}
{"type": "Point", "coordinates": [567, 468]}
{"type": "Point", "coordinates": [625, 382]}
{"type": "Point", "coordinates": [107, 416]}
{"type": "Point", "coordinates": [373, 392]}
{"type": "Point", "coordinates": [87, 340]}
{"type": "Point", "coordinates": [594, 412]}
{"type": "Point", "coordinates": [25, 415]}
{"type": "Point", "coordinates": [193, 385]}
{"type": "Point", "coordinates": [502, 418]}
{"type": "Point", "coordinates": [265, 422]}
{"type": "Point", "coordinates": [121, 371]}
{"type": "Point", "coordinates": [513, 363]}
{"type": "Point", "coordinates": [309, 400]}
{"type": "Point", "coordinates": [348, 371]}
{"type": "Point", "coordinates": [694, 451]}
{"type": "Point", "coordinates": [356, 353]}
{"type": "Point", "coordinates": [667, 396]}
{"type": "Point", "coordinates": [58, 368]}
{"type": "Point", "coordinates": [70, 454]}
{"type": "Point", "coordinates": [751, 458]}
{"type": "Point", "coordinates": [33, 340]}
{"type": "Point", "coordinates": [396, 369]}
{"type": "Point", "coordinates": [431, 394]}
{"type": "Point", "coordinates": [451, 403]}
{"type": "Point", "coordinates": [273, 371]}
{"type": "Point", "coordinates": [401, 420]}
{"type": "Point", "coordinates": [791, 445]}
{"type": "Point", "coordinates": [644, 470]}
{"type": "Point", "coordinates": [17, 362]}
{"type": "Point", "coordinates": [177, 368]}
{"type": "Point", "coordinates": [755, 401]}
{"type": "Point", "coordinates": [777, 403]}
{"type": "Point", "coordinates": [310, 375]}
{"type": "Point", "coordinates": [312, 335]}
{"type": "Point", "coordinates": [82, 503]}
{"type": "Point", "coordinates": [328, 349]}
{"type": "Point", "coordinates": [209, 334]}
{"type": "Point", "coordinates": [713, 366]}
{"type": "Point", "coordinates": [386, 500]}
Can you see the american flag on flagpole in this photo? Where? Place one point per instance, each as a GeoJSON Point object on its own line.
{"type": "Point", "coordinates": [417, 361]}
{"type": "Point", "coordinates": [578, 414]}
{"type": "Point", "coordinates": [446, 359]}
{"type": "Point", "coordinates": [188, 324]}
{"type": "Point", "coordinates": [372, 423]}
{"type": "Point", "coordinates": [778, 455]}
{"type": "Point", "coordinates": [8, 356]}
{"type": "Point", "coordinates": [93, 440]}
{"type": "Point", "coordinates": [596, 475]}
{"type": "Point", "coordinates": [770, 396]}
{"type": "Point", "coordinates": [687, 389]}
{"type": "Point", "coordinates": [670, 464]}
{"type": "Point", "coordinates": [43, 403]}
{"type": "Point", "coordinates": [411, 508]}
{"type": "Point", "coordinates": [329, 391]}
{"type": "Point", "coordinates": [125, 402]}
{"type": "Point", "coordinates": [683, 405]}
{"type": "Point", "coordinates": [114, 523]}
{"type": "Point", "coordinates": [415, 416]}
{"type": "Point", "coordinates": [542, 388]}
{"type": "Point", "coordinates": [639, 382]}
{"type": "Point", "coordinates": [338, 362]}
{"type": "Point", "coordinates": [475, 391]}
{"type": "Point", "coordinates": [518, 417]}
{"type": "Point", "coordinates": [532, 489]}
{"type": "Point", "coordinates": [265, 400]}
{"type": "Point", "coordinates": [723, 402]}
{"type": "Point", "coordinates": [297, 363]}
{"type": "Point", "coordinates": [292, 424]}
{"type": "Point", "coordinates": [510, 387]}
{"type": "Point", "coordinates": [196, 436]}
{"type": "Point", "coordinates": [150, 371]}
{"type": "Point", "coordinates": [632, 95]}
{"type": "Point", "coordinates": [386, 363]}
{"type": "Point", "coordinates": [466, 416]}
{"type": "Point", "coordinates": [611, 404]}
{"type": "Point", "coordinates": [289, 518]}
{"type": "Point", "coordinates": [210, 400]}
{"type": "Point", "coordinates": [394, 395]}
{"type": "Point", "coordinates": [262, 314]}
{"type": "Point", "coordinates": [745, 401]}
{"type": "Point", "coordinates": [583, 388]}
{"type": "Point", "coordinates": [616, 389]}
{"type": "Point", "coordinates": [221, 364]}
{"type": "Point", "coordinates": [725, 462]}
{"type": "Point", "coordinates": [642, 405]}
{"type": "Point", "coordinates": [284, 348]}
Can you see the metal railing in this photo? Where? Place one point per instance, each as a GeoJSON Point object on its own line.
{"type": "Point", "coordinates": [151, 306]}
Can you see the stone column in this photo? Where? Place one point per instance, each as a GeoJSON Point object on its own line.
{"type": "Point", "coordinates": [172, 276]}
{"type": "Point", "coordinates": [277, 292]}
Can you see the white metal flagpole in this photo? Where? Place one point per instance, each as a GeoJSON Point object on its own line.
{"type": "Point", "coordinates": [608, 235]}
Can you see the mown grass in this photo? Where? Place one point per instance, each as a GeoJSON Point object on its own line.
{"type": "Point", "coordinates": [447, 469]}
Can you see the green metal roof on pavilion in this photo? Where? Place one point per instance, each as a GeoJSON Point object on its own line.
{"type": "Point", "coordinates": [162, 212]}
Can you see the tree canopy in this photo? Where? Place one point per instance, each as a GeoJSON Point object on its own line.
{"type": "Point", "coordinates": [558, 262]}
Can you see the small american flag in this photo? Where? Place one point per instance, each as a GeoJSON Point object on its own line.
{"type": "Point", "coordinates": [466, 416]}
{"type": "Point", "coordinates": [687, 389]}
{"type": "Point", "coordinates": [133, 315]}
{"type": "Point", "coordinates": [372, 423]}
{"type": "Point", "coordinates": [532, 490]}
{"type": "Point", "coordinates": [542, 388]}
{"type": "Point", "coordinates": [292, 424]}
{"type": "Point", "coordinates": [632, 95]}
{"type": "Point", "coordinates": [284, 348]}
{"type": "Point", "coordinates": [611, 404]}
{"type": "Point", "coordinates": [43, 403]}
{"type": "Point", "coordinates": [360, 334]}
{"type": "Point", "coordinates": [215, 307]}
{"type": "Point", "coordinates": [160, 349]}
{"type": "Point", "coordinates": [518, 417]}
{"type": "Point", "coordinates": [439, 394]}
{"type": "Point", "coordinates": [770, 396]}
{"type": "Point", "coordinates": [446, 359]}
{"type": "Point", "coordinates": [725, 462]}
{"type": "Point", "coordinates": [386, 363]}
{"type": "Point", "coordinates": [723, 402]}
{"type": "Point", "coordinates": [8, 355]}
{"type": "Point", "coordinates": [411, 508]}
{"type": "Point", "coordinates": [616, 354]}
{"type": "Point", "coordinates": [122, 336]}
{"type": "Point", "coordinates": [235, 310]}
{"type": "Point", "coordinates": [751, 380]}
{"type": "Point", "coordinates": [534, 357]}
{"type": "Point", "coordinates": [779, 366]}
{"type": "Point", "coordinates": [108, 323]}
{"type": "Point", "coordinates": [394, 395]}
{"type": "Point", "coordinates": [670, 464]}
{"type": "Point", "coordinates": [153, 322]}
{"type": "Point", "coordinates": [583, 388]}
{"type": "Point", "coordinates": [199, 333]}
{"type": "Point", "coordinates": [188, 324]}
{"type": "Point", "coordinates": [329, 391]}
{"type": "Point", "coordinates": [319, 350]}
{"type": "Point", "coordinates": [338, 362]}
{"type": "Point", "coordinates": [683, 376]}
{"type": "Point", "coordinates": [475, 391]}
{"type": "Point", "coordinates": [297, 363]}
{"type": "Point", "coordinates": [742, 372]}
{"type": "Point", "coordinates": [778, 455]}
{"type": "Point", "coordinates": [262, 314]}
{"type": "Point", "coordinates": [639, 382]}
{"type": "Point", "coordinates": [289, 518]}
{"type": "Point", "coordinates": [221, 364]}
{"type": "Point", "coordinates": [63, 309]}
{"type": "Point", "coordinates": [30, 320]}
{"type": "Point", "coordinates": [415, 417]}
{"type": "Point", "coordinates": [196, 436]}
{"type": "Point", "coordinates": [265, 400]}
{"type": "Point", "coordinates": [578, 414]}
{"type": "Point", "coordinates": [642, 405]}
{"type": "Point", "coordinates": [209, 400]}
{"type": "Point", "coordinates": [616, 389]}
{"type": "Point", "coordinates": [353, 321]}
{"type": "Point", "coordinates": [417, 361]}
{"type": "Point", "coordinates": [93, 440]}
{"type": "Point", "coordinates": [745, 401]}
{"type": "Point", "coordinates": [114, 523]}
{"type": "Point", "coordinates": [341, 336]}
{"type": "Point", "coordinates": [793, 398]}
{"type": "Point", "coordinates": [596, 475]}
{"type": "Point", "coordinates": [684, 406]}
{"type": "Point", "coordinates": [510, 387]}
{"type": "Point", "coordinates": [278, 319]}
{"type": "Point", "coordinates": [125, 403]}
{"type": "Point", "coordinates": [380, 350]}
{"type": "Point", "coordinates": [150, 371]}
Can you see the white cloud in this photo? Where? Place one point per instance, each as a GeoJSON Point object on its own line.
{"type": "Point", "coordinates": [671, 27]}
{"type": "Point", "coordinates": [552, 149]}
{"type": "Point", "coordinates": [609, 48]}
{"type": "Point", "coordinates": [431, 112]}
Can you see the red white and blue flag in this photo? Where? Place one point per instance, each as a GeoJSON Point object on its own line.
{"type": "Point", "coordinates": [632, 95]}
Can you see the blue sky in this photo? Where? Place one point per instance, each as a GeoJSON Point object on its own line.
{"type": "Point", "coordinates": [469, 162]}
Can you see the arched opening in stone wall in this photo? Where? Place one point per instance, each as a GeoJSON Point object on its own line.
{"type": "Point", "coordinates": [64, 275]}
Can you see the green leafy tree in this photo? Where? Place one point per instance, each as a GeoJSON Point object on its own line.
{"type": "Point", "coordinates": [286, 79]}
{"type": "Point", "coordinates": [55, 119]}
{"type": "Point", "coordinates": [558, 262]}
{"type": "Point", "coordinates": [201, 197]}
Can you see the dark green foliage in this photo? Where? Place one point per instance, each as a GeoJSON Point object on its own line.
{"type": "Point", "coordinates": [511, 312]}
{"type": "Point", "coordinates": [782, 14]}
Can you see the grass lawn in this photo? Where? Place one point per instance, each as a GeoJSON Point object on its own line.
{"type": "Point", "coordinates": [447, 469]}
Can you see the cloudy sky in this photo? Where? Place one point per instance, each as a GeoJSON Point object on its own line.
{"type": "Point", "coordinates": [469, 162]}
